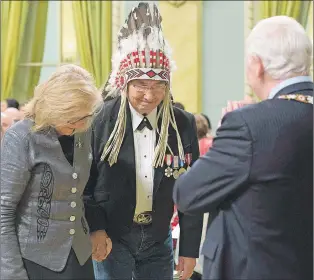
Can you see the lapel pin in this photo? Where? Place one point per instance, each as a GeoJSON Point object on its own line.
{"type": "Point", "coordinates": [79, 143]}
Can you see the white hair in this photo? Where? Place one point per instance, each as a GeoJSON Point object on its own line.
{"type": "Point", "coordinates": [282, 45]}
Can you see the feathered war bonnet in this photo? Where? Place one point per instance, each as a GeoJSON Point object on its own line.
{"type": "Point", "coordinates": [142, 53]}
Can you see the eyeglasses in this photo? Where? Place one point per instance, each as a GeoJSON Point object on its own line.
{"type": "Point", "coordinates": [81, 119]}
{"type": "Point", "coordinates": [156, 89]}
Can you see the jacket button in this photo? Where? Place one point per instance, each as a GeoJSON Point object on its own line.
{"type": "Point", "coordinates": [73, 204]}
{"type": "Point", "coordinates": [74, 176]}
{"type": "Point", "coordinates": [72, 218]}
{"type": "Point", "coordinates": [73, 190]}
{"type": "Point", "coordinates": [72, 231]}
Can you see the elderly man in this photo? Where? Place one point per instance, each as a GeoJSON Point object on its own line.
{"type": "Point", "coordinates": [257, 179]}
{"type": "Point", "coordinates": [140, 144]}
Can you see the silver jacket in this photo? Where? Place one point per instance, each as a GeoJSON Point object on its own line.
{"type": "Point", "coordinates": [42, 212]}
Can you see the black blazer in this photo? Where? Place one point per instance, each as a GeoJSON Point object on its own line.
{"type": "Point", "coordinates": [257, 183]}
{"type": "Point", "coordinates": [110, 194]}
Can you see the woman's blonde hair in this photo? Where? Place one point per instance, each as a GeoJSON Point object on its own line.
{"type": "Point", "coordinates": [67, 96]}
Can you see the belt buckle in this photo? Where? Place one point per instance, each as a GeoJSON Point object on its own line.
{"type": "Point", "coordinates": [143, 218]}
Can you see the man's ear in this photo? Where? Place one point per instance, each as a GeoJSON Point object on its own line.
{"type": "Point", "coordinates": [259, 67]}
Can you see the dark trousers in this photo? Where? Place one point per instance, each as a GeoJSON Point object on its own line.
{"type": "Point", "coordinates": [196, 276]}
{"type": "Point", "coordinates": [138, 256]}
{"type": "Point", "coordinates": [73, 270]}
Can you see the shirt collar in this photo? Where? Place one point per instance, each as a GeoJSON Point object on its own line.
{"type": "Point", "coordinates": [288, 82]}
{"type": "Point", "coordinates": [137, 118]}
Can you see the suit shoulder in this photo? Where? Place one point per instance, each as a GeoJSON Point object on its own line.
{"type": "Point", "coordinates": [104, 112]}
{"type": "Point", "coordinates": [253, 111]}
{"type": "Point", "coordinates": [272, 108]}
{"type": "Point", "coordinates": [182, 115]}
{"type": "Point", "coordinates": [22, 128]}
{"type": "Point", "coordinates": [19, 134]}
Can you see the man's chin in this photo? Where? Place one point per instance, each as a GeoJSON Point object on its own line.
{"type": "Point", "coordinates": [146, 109]}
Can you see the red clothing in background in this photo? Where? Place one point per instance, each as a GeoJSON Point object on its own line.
{"type": "Point", "coordinates": [175, 218]}
{"type": "Point", "coordinates": [205, 144]}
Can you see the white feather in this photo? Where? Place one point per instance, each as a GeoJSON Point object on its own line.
{"type": "Point", "coordinates": [151, 8]}
{"type": "Point", "coordinates": [136, 42]}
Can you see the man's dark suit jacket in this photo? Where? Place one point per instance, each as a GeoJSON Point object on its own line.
{"type": "Point", "coordinates": [257, 183]}
{"type": "Point", "coordinates": [110, 194]}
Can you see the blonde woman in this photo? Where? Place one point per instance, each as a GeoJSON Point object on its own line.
{"type": "Point", "coordinates": [45, 165]}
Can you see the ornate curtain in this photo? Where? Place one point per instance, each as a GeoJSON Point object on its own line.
{"type": "Point", "coordinates": [13, 20]}
{"type": "Point", "coordinates": [33, 42]}
{"type": "Point", "coordinates": [93, 20]}
{"type": "Point", "coordinates": [296, 9]}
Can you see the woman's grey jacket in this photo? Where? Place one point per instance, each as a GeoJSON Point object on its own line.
{"type": "Point", "coordinates": [42, 212]}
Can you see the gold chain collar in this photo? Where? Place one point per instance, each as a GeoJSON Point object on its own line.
{"type": "Point", "coordinates": [298, 97]}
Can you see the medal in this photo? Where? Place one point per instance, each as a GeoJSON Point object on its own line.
{"type": "Point", "coordinates": [182, 169]}
{"type": "Point", "coordinates": [188, 160]}
{"type": "Point", "coordinates": [175, 173]}
{"type": "Point", "coordinates": [168, 170]}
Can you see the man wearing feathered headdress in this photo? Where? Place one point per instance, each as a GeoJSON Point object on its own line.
{"type": "Point", "coordinates": [141, 145]}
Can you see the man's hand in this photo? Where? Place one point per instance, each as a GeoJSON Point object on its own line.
{"type": "Point", "coordinates": [233, 105]}
{"type": "Point", "coordinates": [185, 267]}
{"type": "Point", "coordinates": [101, 245]}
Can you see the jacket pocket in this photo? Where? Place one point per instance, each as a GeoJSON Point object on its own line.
{"type": "Point", "coordinates": [209, 249]}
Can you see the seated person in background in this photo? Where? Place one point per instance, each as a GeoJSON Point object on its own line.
{"type": "Point", "coordinates": [22, 109]}
{"type": "Point", "coordinates": [14, 114]}
{"type": "Point", "coordinates": [9, 103]}
{"type": "Point", "coordinates": [6, 122]}
{"type": "Point", "coordinates": [204, 141]}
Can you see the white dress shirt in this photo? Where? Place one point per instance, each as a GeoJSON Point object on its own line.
{"type": "Point", "coordinates": [144, 146]}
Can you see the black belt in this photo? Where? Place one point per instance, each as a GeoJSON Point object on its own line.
{"type": "Point", "coordinates": [144, 218]}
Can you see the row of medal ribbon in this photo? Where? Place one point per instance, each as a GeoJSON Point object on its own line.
{"type": "Point", "coordinates": [175, 165]}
